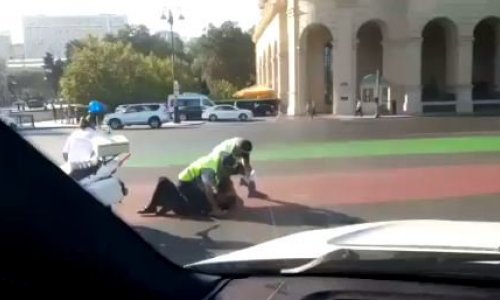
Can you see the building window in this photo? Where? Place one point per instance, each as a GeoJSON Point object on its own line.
{"type": "Point", "coordinates": [328, 73]}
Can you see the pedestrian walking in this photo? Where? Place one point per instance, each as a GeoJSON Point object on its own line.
{"type": "Point", "coordinates": [311, 109]}
{"type": "Point", "coordinates": [54, 112]}
{"type": "Point", "coordinates": [359, 108]}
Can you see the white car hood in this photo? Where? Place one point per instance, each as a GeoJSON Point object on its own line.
{"type": "Point", "coordinates": [414, 235]}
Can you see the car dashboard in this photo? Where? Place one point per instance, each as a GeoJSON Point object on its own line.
{"type": "Point", "coordinates": [324, 288]}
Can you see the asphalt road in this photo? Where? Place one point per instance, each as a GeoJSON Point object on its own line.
{"type": "Point", "coordinates": [318, 173]}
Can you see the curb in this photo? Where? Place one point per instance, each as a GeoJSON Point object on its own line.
{"type": "Point", "coordinates": [75, 126]}
{"type": "Point", "coordinates": [43, 128]}
{"type": "Point", "coordinates": [183, 125]}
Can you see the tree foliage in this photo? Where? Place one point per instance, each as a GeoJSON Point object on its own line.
{"type": "Point", "coordinates": [134, 65]}
{"type": "Point", "coordinates": [224, 53]}
{"type": "Point", "coordinates": [4, 85]}
{"type": "Point", "coordinates": [222, 89]}
{"type": "Point", "coordinates": [29, 84]}
{"type": "Point", "coordinates": [53, 71]}
{"type": "Point", "coordinates": [71, 47]}
{"type": "Point", "coordinates": [159, 44]}
{"type": "Point", "coordinates": [115, 73]}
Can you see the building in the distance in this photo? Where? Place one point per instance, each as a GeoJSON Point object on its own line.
{"type": "Point", "coordinates": [435, 55]}
{"type": "Point", "coordinates": [5, 44]}
{"type": "Point", "coordinates": [17, 51]}
{"type": "Point", "coordinates": [51, 34]}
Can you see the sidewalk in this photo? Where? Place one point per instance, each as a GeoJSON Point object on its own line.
{"type": "Point", "coordinates": [58, 125]}
{"type": "Point", "coordinates": [52, 124]}
{"type": "Point", "coordinates": [365, 117]}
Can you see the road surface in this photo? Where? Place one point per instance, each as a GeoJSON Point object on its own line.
{"type": "Point", "coordinates": [318, 173]}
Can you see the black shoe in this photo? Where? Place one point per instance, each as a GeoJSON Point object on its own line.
{"type": "Point", "coordinates": [147, 211]}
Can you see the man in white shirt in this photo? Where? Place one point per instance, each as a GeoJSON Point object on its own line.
{"type": "Point", "coordinates": [79, 152]}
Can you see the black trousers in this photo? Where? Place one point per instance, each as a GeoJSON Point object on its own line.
{"type": "Point", "coordinates": [187, 198]}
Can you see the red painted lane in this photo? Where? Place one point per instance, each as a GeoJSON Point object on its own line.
{"type": "Point", "coordinates": [371, 186]}
{"type": "Point", "coordinates": [387, 185]}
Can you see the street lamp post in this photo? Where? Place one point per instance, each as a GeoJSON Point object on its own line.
{"type": "Point", "coordinates": [170, 20]}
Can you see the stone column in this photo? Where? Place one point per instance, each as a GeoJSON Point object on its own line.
{"type": "Point", "coordinates": [344, 70]}
{"type": "Point", "coordinates": [257, 68]}
{"type": "Point", "coordinates": [269, 68]}
{"type": "Point", "coordinates": [413, 86]}
{"type": "Point", "coordinates": [264, 69]}
{"type": "Point", "coordinates": [282, 76]}
{"type": "Point", "coordinates": [263, 72]}
{"type": "Point", "coordinates": [293, 57]}
{"type": "Point", "coordinates": [463, 86]}
{"type": "Point", "coordinates": [274, 72]}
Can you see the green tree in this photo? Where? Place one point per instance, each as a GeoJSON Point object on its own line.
{"type": "Point", "coordinates": [115, 73]}
{"type": "Point", "coordinates": [143, 41]}
{"type": "Point", "coordinates": [224, 53]}
{"type": "Point", "coordinates": [53, 71]}
{"type": "Point", "coordinates": [25, 84]}
{"type": "Point", "coordinates": [222, 89]}
{"type": "Point", "coordinates": [4, 83]}
{"type": "Point", "coordinates": [71, 47]}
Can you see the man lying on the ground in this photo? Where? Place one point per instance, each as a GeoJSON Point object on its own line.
{"type": "Point", "coordinates": [204, 188]}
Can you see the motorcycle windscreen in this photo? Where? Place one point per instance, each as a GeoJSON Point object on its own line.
{"type": "Point", "coordinates": [107, 191]}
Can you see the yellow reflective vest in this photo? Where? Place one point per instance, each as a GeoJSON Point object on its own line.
{"type": "Point", "coordinates": [193, 171]}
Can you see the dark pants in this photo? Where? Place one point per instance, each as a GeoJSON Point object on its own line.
{"type": "Point", "coordinates": [185, 199]}
{"type": "Point", "coordinates": [79, 174]}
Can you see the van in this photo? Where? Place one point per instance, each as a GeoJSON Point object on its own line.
{"type": "Point", "coordinates": [191, 105]}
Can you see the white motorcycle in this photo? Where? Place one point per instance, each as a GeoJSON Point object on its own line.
{"type": "Point", "coordinates": [104, 185]}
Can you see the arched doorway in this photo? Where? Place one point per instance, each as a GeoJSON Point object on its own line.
{"type": "Point", "coordinates": [317, 59]}
{"type": "Point", "coordinates": [486, 60]}
{"type": "Point", "coordinates": [369, 52]}
{"type": "Point", "coordinates": [438, 60]}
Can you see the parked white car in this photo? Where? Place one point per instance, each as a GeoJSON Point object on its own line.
{"type": "Point", "coordinates": [152, 114]}
{"type": "Point", "coordinates": [120, 108]}
{"type": "Point", "coordinates": [226, 112]}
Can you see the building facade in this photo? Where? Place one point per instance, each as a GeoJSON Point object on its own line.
{"type": "Point", "coordinates": [5, 45]}
{"type": "Point", "coordinates": [436, 55]}
{"type": "Point", "coordinates": [51, 34]}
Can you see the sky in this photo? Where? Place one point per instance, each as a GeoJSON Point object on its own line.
{"type": "Point", "coordinates": [198, 13]}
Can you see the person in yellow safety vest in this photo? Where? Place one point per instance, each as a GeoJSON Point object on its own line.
{"type": "Point", "coordinates": [199, 185]}
{"type": "Point", "coordinates": [241, 149]}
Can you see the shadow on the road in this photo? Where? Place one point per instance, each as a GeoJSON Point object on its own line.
{"type": "Point", "coordinates": [238, 121]}
{"type": "Point", "coordinates": [291, 214]}
{"type": "Point", "coordinates": [184, 250]}
{"type": "Point", "coordinates": [172, 215]}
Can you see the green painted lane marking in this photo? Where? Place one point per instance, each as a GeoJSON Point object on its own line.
{"type": "Point", "coordinates": [349, 149]}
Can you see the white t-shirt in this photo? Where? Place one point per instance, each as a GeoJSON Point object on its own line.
{"type": "Point", "coordinates": [79, 146]}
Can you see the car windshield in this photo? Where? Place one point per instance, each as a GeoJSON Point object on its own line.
{"type": "Point", "coordinates": [251, 120]}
